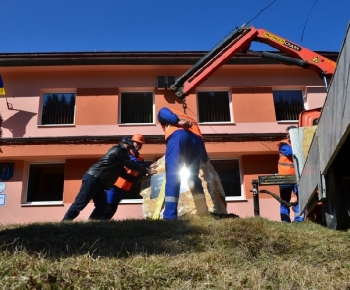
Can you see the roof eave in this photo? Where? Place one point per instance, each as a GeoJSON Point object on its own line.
{"type": "Point", "coordinates": [126, 58]}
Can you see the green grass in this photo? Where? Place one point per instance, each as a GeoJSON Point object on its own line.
{"type": "Point", "coordinates": [191, 253]}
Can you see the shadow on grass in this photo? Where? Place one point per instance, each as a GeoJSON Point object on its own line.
{"type": "Point", "coordinates": [102, 238]}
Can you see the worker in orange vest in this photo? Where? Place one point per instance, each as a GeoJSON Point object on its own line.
{"type": "Point", "coordinates": [286, 166]}
{"type": "Point", "coordinates": [124, 184]}
{"type": "Point", "coordinates": [184, 146]}
{"type": "Point", "coordinates": [101, 175]}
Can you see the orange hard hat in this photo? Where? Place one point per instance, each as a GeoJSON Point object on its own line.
{"type": "Point", "coordinates": [138, 138]}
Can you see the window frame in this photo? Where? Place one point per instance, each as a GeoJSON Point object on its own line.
{"type": "Point", "coordinates": [41, 203]}
{"type": "Point", "coordinates": [304, 98]}
{"type": "Point", "coordinates": [56, 91]}
{"type": "Point", "coordinates": [242, 196]}
{"type": "Point", "coordinates": [229, 94]}
{"type": "Point", "coordinates": [133, 90]}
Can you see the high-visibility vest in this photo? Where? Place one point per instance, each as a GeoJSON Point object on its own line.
{"type": "Point", "coordinates": [170, 129]}
{"type": "Point", "coordinates": [285, 164]}
{"type": "Point", "coordinates": [123, 183]}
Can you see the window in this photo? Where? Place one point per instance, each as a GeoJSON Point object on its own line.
{"type": "Point", "coordinates": [214, 106]}
{"type": "Point", "coordinates": [288, 104]}
{"type": "Point", "coordinates": [229, 173]}
{"type": "Point", "coordinates": [136, 107]}
{"type": "Point", "coordinates": [45, 182]}
{"type": "Point", "coordinates": [58, 108]}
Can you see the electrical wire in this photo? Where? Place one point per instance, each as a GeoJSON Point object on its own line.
{"type": "Point", "coordinates": [184, 103]}
{"type": "Point", "coordinates": [261, 12]}
{"type": "Point", "coordinates": [302, 34]}
{"type": "Point", "coordinates": [245, 24]}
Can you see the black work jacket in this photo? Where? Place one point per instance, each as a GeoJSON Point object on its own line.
{"type": "Point", "coordinates": [111, 166]}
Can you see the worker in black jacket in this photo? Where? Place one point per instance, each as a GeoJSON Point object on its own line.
{"type": "Point", "coordinates": [102, 175]}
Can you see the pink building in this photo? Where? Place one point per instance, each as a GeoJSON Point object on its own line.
{"type": "Point", "coordinates": [62, 111]}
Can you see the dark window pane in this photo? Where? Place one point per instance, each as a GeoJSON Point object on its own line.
{"type": "Point", "coordinates": [288, 104]}
{"type": "Point", "coordinates": [228, 171]}
{"type": "Point", "coordinates": [137, 107]}
{"type": "Point", "coordinates": [213, 107]}
{"type": "Point", "coordinates": [45, 182]}
{"type": "Point", "coordinates": [58, 108]}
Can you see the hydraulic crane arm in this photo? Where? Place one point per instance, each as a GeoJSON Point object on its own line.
{"type": "Point", "coordinates": [240, 40]}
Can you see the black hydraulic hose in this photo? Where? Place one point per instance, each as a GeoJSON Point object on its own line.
{"type": "Point", "coordinates": [209, 56]}
{"type": "Point", "coordinates": [280, 200]}
{"type": "Point", "coordinates": [285, 59]}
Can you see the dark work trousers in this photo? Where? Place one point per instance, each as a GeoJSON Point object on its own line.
{"type": "Point", "coordinates": [91, 189]}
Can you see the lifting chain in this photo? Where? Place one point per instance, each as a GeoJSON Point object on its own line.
{"type": "Point", "coordinates": [184, 105]}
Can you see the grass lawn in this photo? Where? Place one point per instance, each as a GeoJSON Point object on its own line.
{"type": "Point", "coordinates": [190, 253]}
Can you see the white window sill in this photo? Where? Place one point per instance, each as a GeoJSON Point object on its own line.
{"type": "Point", "coordinates": [42, 203]}
{"type": "Point", "coordinates": [235, 198]}
{"type": "Point", "coordinates": [287, 122]}
{"type": "Point", "coordinates": [132, 201]}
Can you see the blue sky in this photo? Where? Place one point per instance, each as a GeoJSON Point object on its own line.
{"type": "Point", "coordinates": [158, 25]}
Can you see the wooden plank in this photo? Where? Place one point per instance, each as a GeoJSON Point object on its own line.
{"type": "Point", "coordinates": [301, 142]}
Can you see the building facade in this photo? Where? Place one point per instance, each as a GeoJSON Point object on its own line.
{"type": "Point", "coordinates": [63, 111]}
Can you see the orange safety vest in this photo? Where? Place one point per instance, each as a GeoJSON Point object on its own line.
{"type": "Point", "coordinates": [285, 164]}
{"type": "Point", "coordinates": [123, 183]}
{"type": "Point", "coordinates": [170, 129]}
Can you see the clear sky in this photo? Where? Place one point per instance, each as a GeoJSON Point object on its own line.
{"type": "Point", "coordinates": [160, 25]}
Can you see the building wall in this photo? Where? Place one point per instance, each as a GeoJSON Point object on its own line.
{"type": "Point", "coordinates": [98, 89]}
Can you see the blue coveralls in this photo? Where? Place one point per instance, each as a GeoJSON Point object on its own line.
{"type": "Point", "coordinates": [182, 147]}
{"type": "Point", "coordinates": [286, 192]}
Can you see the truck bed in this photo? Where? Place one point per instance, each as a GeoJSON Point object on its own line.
{"type": "Point", "coordinates": [332, 131]}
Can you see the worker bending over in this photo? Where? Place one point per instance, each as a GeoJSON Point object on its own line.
{"type": "Point", "coordinates": [123, 185]}
{"type": "Point", "coordinates": [102, 175]}
{"type": "Point", "coordinates": [184, 146]}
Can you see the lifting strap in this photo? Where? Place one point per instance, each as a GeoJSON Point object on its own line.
{"type": "Point", "coordinates": [160, 201]}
